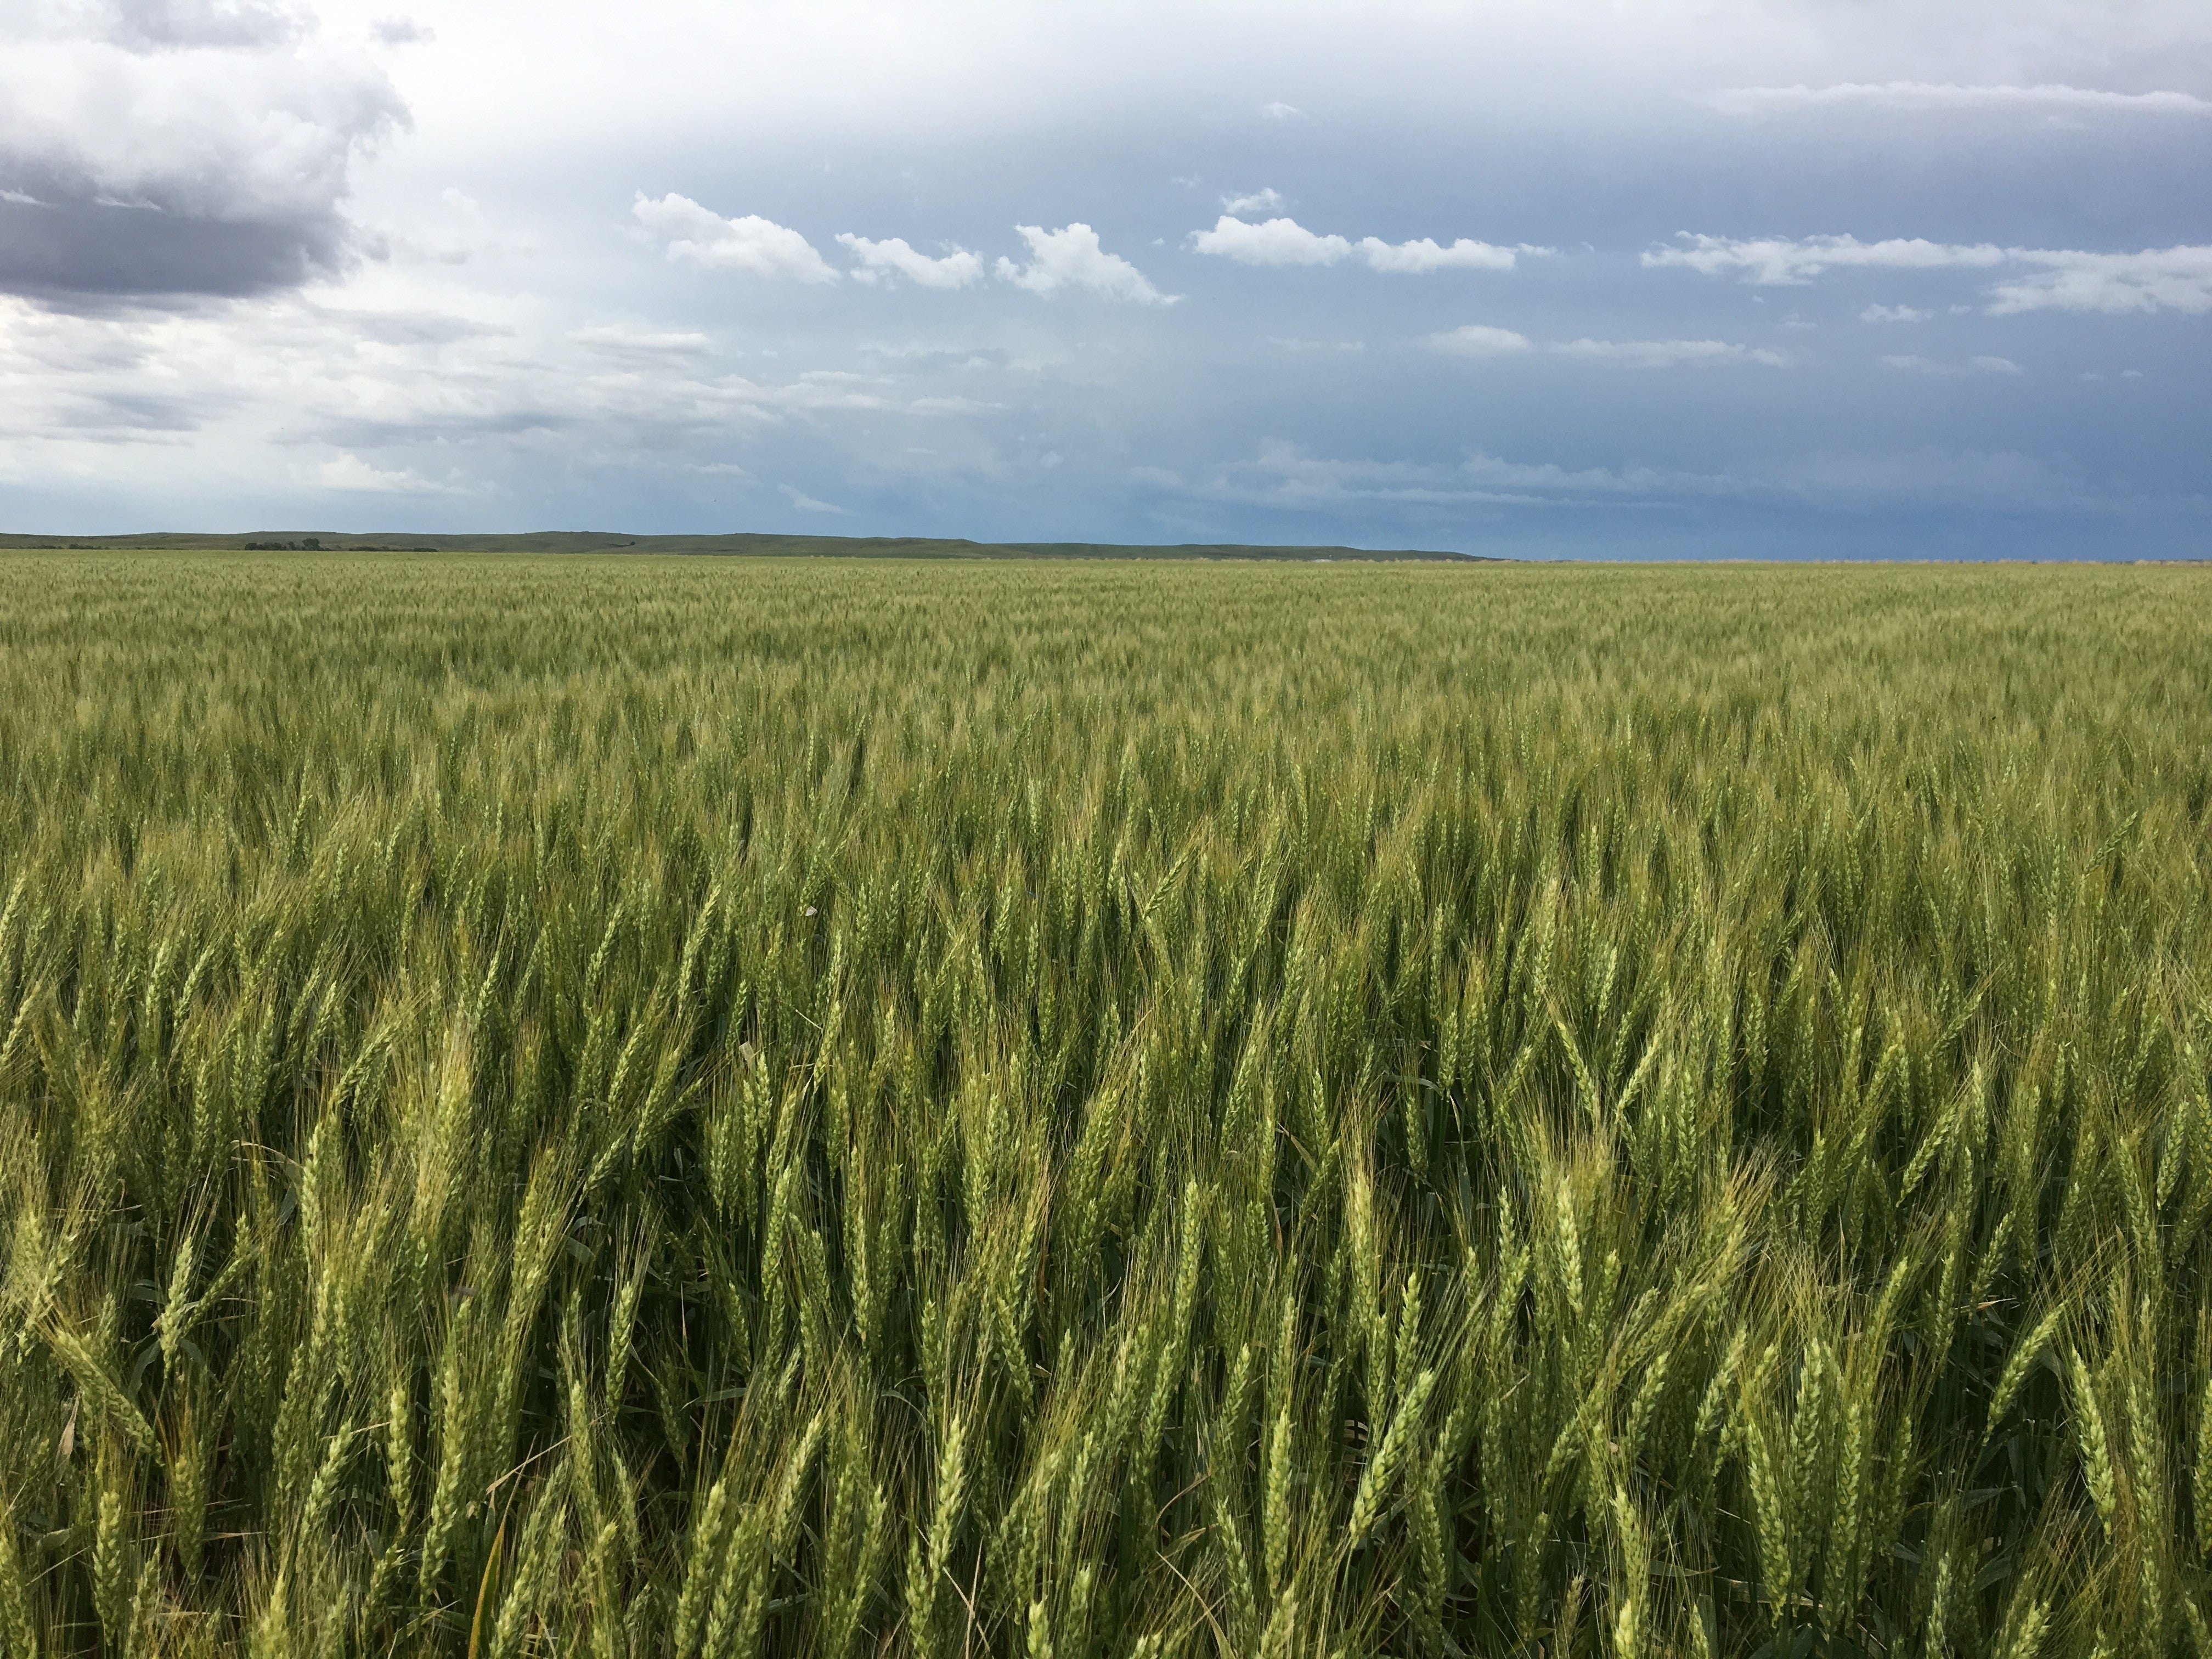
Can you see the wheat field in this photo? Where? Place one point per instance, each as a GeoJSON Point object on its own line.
{"type": "Point", "coordinates": [695, 1109]}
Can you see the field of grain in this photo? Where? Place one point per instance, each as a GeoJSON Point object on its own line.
{"type": "Point", "coordinates": [709, 1107]}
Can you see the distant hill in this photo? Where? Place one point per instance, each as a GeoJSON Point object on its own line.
{"type": "Point", "coordinates": [594, 541]}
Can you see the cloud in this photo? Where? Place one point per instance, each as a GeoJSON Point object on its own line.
{"type": "Point", "coordinates": [1071, 258]}
{"type": "Point", "coordinates": [1669, 354]}
{"type": "Point", "coordinates": [1918, 365]}
{"type": "Point", "coordinates": [1284, 241]}
{"type": "Point", "coordinates": [1271, 242]}
{"type": "Point", "coordinates": [1264, 200]}
{"type": "Point", "coordinates": [348, 472]}
{"type": "Point", "coordinates": [951, 406]}
{"type": "Point", "coordinates": [2063, 279]}
{"type": "Point", "coordinates": [893, 257]}
{"type": "Point", "coordinates": [1280, 111]}
{"type": "Point", "coordinates": [402, 32]}
{"type": "Point", "coordinates": [2002, 481]}
{"type": "Point", "coordinates": [1285, 474]}
{"type": "Point", "coordinates": [163, 25]}
{"type": "Point", "coordinates": [405, 328]}
{"type": "Point", "coordinates": [178, 148]}
{"type": "Point", "coordinates": [1930, 96]}
{"type": "Point", "coordinates": [1893, 314]}
{"type": "Point", "coordinates": [250, 400]}
{"type": "Point", "coordinates": [2155, 279]}
{"type": "Point", "coordinates": [1777, 262]}
{"type": "Point", "coordinates": [1413, 259]}
{"type": "Point", "coordinates": [616, 340]}
{"type": "Point", "coordinates": [1481, 340]}
{"type": "Point", "coordinates": [1548, 478]}
{"type": "Point", "coordinates": [751, 244]}
{"type": "Point", "coordinates": [806, 503]}
{"type": "Point", "coordinates": [81, 405]}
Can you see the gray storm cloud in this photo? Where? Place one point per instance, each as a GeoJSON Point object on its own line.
{"type": "Point", "coordinates": [176, 147]}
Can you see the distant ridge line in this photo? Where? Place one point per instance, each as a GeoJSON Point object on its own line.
{"type": "Point", "coordinates": [759, 546]}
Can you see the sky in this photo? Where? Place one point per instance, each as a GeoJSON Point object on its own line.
{"type": "Point", "coordinates": [1740, 278]}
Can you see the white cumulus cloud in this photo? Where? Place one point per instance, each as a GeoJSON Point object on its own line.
{"type": "Point", "coordinates": [348, 472]}
{"type": "Point", "coordinates": [1271, 242]}
{"type": "Point", "coordinates": [2155, 279]}
{"type": "Point", "coordinates": [1480, 340]}
{"type": "Point", "coordinates": [1071, 258]}
{"type": "Point", "coordinates": [1284, 241]}
{"type": "Point", "coordinates": [1780, 261]}
{"type": "Point", "coordinates": [893, 257]}
{"type": "Point", "coordinates": [1415, 258]}
{"type": "Point", "coordinates": [1895, 314]}
{"type": "Point", "coordinates": [750, 244]}
{"type": "Point", "coordinates": [1266, 199]}
{"type": "Point", "coordinates": [2058, 279]}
